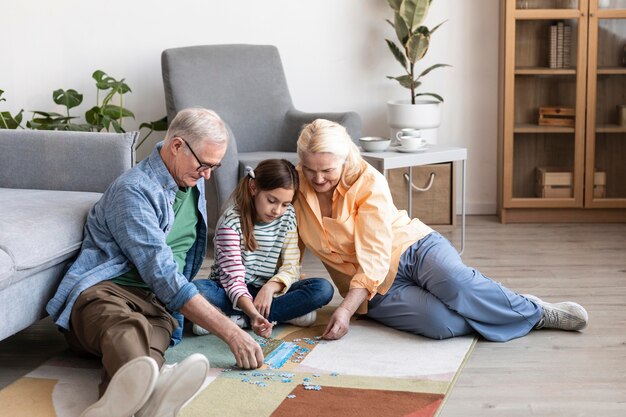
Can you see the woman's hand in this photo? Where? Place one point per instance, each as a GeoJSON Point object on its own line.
{"type": "Point", "coordinates": [338, 325]}
{"type": "Point", "coordinates": [265, 296]}
{"type": "Point", "coordinates": [261, 326]}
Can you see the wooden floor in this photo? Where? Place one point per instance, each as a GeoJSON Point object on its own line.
{"type": "Point", "coordinates": [547, 373]}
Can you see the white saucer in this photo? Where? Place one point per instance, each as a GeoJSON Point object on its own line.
{"type": "Point", "coordinates": [400, 149]}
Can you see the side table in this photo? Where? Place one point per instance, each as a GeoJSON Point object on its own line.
{"type": "Point", "coordinates": [433, 154]}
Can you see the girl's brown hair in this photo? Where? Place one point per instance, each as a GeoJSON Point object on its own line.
{"type": "Point", "coordinates": [269, 175]}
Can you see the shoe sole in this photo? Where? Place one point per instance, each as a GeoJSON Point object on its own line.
{"type": "Point", "coordinates": [128, 390]}
{"type": "Point", "coordinates": [190, 376]}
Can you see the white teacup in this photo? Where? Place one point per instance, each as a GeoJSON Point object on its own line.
{"type": "Point", "coordinates": [411, 143]}
{"type": "Point", "coordinates": [408, 132]}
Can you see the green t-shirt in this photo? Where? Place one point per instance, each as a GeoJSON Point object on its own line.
{"type": "Point", "coordinates": [180, 239]}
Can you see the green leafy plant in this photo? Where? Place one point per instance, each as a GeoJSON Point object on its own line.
{"type": "Point", "coordinates": [105, 114]}
{"type": "Point", "coordinates": [414, 41]}
{"type": "Point", "coordinates": [54, 121]}
{"type": "Point", "coordinates": [108, 113]}
{"type": "Point", "coordinates": [7, 120]}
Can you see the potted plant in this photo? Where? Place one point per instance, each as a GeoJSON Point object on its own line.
{"type": "Point", "coordinates": [422, 110]}
{"type": "Point", "coordinates": [108, 113]}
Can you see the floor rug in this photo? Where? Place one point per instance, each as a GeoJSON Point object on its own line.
{"type": "Point", "coordinates": [372, 371]}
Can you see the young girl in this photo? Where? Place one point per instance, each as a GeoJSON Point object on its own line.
{"type": "Point", "coordinates": [257, 259]}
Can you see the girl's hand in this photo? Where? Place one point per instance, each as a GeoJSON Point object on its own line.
{"type": "Point", "coordinates": [338, 325]}
{"type": "Point", "coordinates": [265, 296]}
{"type": "Point", "coordinates": [261, 326]}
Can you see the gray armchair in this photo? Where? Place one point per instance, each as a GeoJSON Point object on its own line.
{"type": "Point", "coordinates": [246, 86]}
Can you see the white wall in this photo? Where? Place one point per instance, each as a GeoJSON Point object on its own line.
{"type": "Point", "coordinates": [333, 51]}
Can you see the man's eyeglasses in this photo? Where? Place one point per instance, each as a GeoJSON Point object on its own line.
{"type": "Point", "coordinates": [203, 165]}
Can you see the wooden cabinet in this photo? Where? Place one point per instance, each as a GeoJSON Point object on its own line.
{"type": "Point", "coordinates": [562, 108]}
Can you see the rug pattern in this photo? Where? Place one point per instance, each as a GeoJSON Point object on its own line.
{"type": "Point", "coordinates": [372, 371]}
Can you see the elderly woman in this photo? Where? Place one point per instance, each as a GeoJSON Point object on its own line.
{"type": "Point", "coordinates": [394, 269]}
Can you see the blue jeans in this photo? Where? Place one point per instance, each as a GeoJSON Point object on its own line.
{"type": "Point", "coordinates": [302, 297]}
{"type": "Point", "coordinates": [436, 295]}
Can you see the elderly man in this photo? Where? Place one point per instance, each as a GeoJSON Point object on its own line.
{"type": "Point", "coordinates": [144, 242]}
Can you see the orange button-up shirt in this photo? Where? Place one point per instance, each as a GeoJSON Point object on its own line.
{"type": "Point", "coordinates": [361, 244]}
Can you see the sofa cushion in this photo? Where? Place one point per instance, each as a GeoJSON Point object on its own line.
{"type": "Point", "coordinates": [40, 228]}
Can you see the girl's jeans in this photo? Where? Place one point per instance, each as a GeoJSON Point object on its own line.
{"type": "Point", "coordinates": [302, 297]}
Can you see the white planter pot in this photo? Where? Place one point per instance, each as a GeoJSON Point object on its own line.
{"type": "Point", "coordinates": [424, 115]}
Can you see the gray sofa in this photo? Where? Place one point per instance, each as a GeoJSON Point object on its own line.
{"type": "Point", "coordinates": [48, 182]}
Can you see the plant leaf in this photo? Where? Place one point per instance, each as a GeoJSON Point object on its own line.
{"type": "Point", "coordinates": [77, 127]}
{"type": "Point", "coordinates": [397, 53]}
{"type": "Point", "coordinates": [93, 116]}
{"type": "Point", "coordinates": [437, 96]}
{"type": "Point", "coordinates": [417, 47]}
{"type": "Point", "coordinates": [402, 31]}
{"type": "Point", "coordinates": [117, 126]}
{"type": "Point", "coordinates": [395, 4]}
{"type": "Point", "coordinates": [156, 125]}
{"type": "Point", "coordinates": [414, 12]}
{"type": "Point", "coordinates": [429, 69]}
{"type": "Point", "coordinates": [7, 121]}
{"type": "Point", "coordinates": [405, 80]}
{"type": "Point", "coordinates": [437, 27]}
{"type": "Point", "coordinates": [47, 114]}
{"type": "Point", "coordinates": [70, 98]}
{"type": "Point", "coordinates": [113, 111]}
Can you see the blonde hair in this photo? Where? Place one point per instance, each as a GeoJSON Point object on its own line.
{"type": "Point", "coordinates": [324, 136]}
{"type": "Point", "coordinates": [269, 175]}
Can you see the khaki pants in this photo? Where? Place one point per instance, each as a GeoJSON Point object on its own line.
{"type": "Point", "coordinates": [119, 323]}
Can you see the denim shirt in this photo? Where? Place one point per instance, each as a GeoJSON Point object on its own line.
{"type": "Point", "coordinates": [126, 227]}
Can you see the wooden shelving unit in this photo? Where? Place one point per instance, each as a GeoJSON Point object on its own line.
{"type": "Point", "coordinates": [593, 84]}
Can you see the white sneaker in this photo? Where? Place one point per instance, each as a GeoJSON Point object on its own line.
{"type": "Point", "coordinates": [199, 330]}
{"type": "Point", "coordinates": [176, 386]}
{"type": "Point", "coordinates": [566, 315]}
{"type": "Point", "coordinates": [128, 390]}
{"type": "Point", "coordinates": [304, 321]}
{"type": "Point", "coordinates": [239, 321]}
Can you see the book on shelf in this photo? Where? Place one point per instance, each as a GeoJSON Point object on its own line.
{"type": "Point", "coordinates": [567, 45]}
{"type": "Point", "coordinates": [560, 45]}
{"type": "Point", "coordinates": [553, 46]}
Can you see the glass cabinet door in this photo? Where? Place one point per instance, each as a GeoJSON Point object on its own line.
{"type": "Point", "coordinates": [546, 155]}
{"type": "Point", "coordinates": [605, 174]}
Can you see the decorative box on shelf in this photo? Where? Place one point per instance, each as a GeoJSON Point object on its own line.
{"type": "Point", "coordinates": [558, 182]}
{"type": "Point", "coordinates": [554, 182]}
{"type": "Point", "coordinates": [599, 184]}
{"type": "Point", "coordinates": [557, 116]}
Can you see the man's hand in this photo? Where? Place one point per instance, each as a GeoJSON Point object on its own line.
{"type": "Point", "coordinates": [247, 351]}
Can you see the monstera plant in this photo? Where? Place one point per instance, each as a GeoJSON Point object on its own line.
{"type": "Point", "coordinates": [414, 40]}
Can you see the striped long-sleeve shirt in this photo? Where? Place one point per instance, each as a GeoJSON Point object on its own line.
{"type": "Point", "coordinates": [277, 257]}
